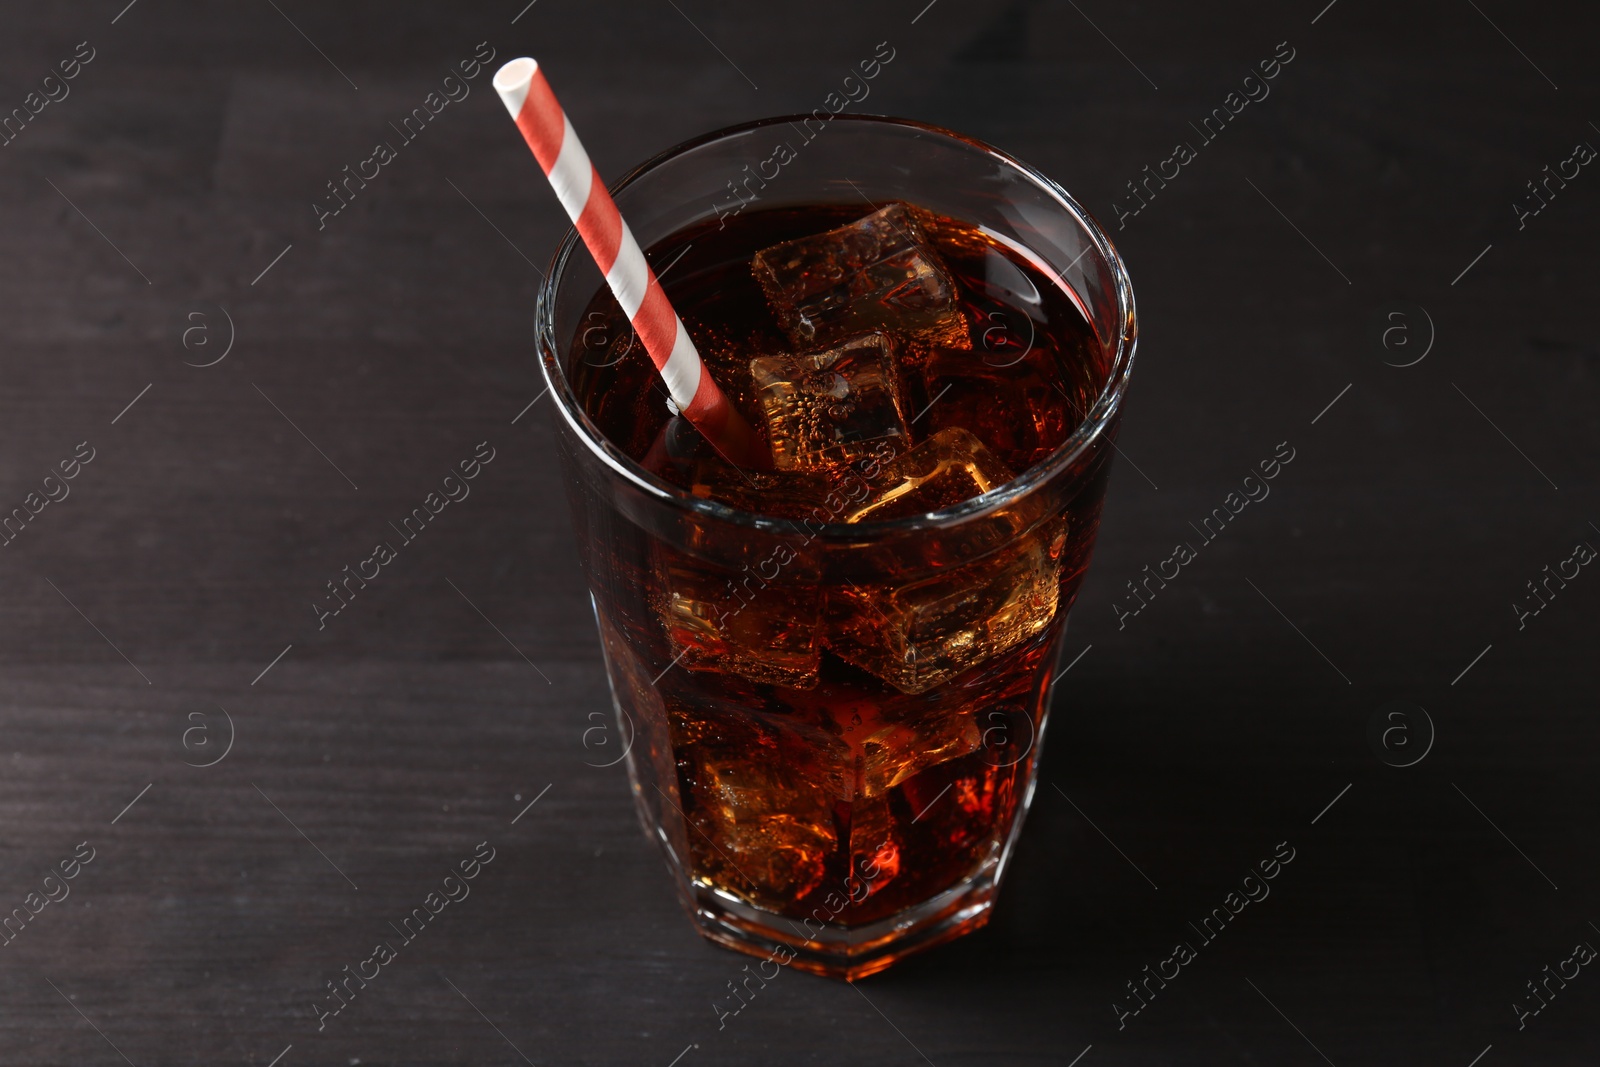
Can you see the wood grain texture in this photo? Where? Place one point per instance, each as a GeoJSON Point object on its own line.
{"type": "Point", "coordinates": [394, 740]}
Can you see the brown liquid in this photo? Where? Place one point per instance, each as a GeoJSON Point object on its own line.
{"type": "Point", "coordinates": [1021, 327]}
{"type": "Point", "coordinates": [843, 743]}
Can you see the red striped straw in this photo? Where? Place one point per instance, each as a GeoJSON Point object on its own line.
{"type": "Point", "coordinates": [548, 131]}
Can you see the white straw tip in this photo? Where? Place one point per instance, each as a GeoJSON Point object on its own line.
{"type": "Point", "coordinates": [514, 73]}
{"type": "Point", "coordinates": [511, 82]}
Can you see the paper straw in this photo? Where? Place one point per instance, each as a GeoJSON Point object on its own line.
{"type": "Point", "coordinates": [548, 131]}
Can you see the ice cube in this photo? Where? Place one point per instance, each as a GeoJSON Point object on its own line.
{"type": "Point", "coordinates": [759, 619]}
{"type": "Point", "coordinates": [920, 635]}
{"type": "Point", "coordinates": [959, 801]}
{"type": "Point", "coordinates": [891, 738]}
{"type": "Point", "coordinates": [747, 764]}
{"type": "Point", "coordinates": [905, 749]}
{"type": "Point", "coordinates": [833, 407]}
{"type": "Point", "coordinates": [947, 468]}
{"type": "Point", "coordinates": [878, 272]}
{"type": "Point", "coordinates": [784, 857]}
{"type": "Point", "coordinates": [1012, 404]}
{"type": "Point", "coordinates": [874, 849]}
{"type": "Point", "coordinates": [762, 792]}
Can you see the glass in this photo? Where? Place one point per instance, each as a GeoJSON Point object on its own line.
{"type": "Point", "coordinates": [796, 827]}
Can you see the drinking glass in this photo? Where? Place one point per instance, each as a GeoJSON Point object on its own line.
{"type": "Point", "coordinates": [841, 826]}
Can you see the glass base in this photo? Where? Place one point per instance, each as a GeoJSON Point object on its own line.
{"type": "Point", "coordinates": [833, 950]}
{"type": "Point", "coordinates": [810, 943]}
{"type": "Point", "coordinates": [837, 951]}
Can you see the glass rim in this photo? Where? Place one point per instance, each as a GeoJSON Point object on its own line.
{"type": "Point", "coordinates": [1095, 421]}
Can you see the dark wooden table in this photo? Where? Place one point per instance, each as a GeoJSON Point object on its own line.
{"type": "Point", "coordinates": [168, 193]}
